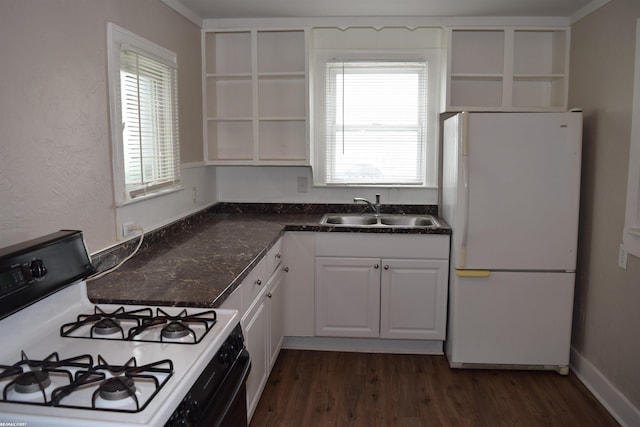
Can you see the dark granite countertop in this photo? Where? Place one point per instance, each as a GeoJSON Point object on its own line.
{"type": "Point", "coordinates": [200, 262]}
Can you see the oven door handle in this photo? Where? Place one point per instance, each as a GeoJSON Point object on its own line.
{"type": "Point", "coordinates": [238, 387]}
{"type": "Point", "coordinates": [217, 416]}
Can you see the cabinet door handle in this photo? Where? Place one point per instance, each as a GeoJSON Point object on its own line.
{"type": "Point", "coordinates": [386, 267]}
{"type": "Point", "coordinates": [376, 266]}
{"type": "Point", "coordinates": [269, 295]}
{"type": "Point", "coordinates": [258, 282]}
{"type": "Point", "coordinates": [286, 269]}
{"type": "Point", "coordinates": [278, 255]}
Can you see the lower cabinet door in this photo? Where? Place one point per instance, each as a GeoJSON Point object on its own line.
{"type": "Point", "coordinates": [255, 331]}
{"type": "Point", "coordinates": [276, 316]}
{"type": "Point", "coordinates": [347, 296]}
{"type": "Point", "coordinates": [413, 299]}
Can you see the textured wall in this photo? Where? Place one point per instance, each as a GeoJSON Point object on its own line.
{"type": "Point", "coordinates": [606, 315]}
{"type": "Point", "coordinates": [55, 164]}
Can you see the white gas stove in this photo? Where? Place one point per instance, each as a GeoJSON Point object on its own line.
{"type": "Point", "coordinates": [67, 362]}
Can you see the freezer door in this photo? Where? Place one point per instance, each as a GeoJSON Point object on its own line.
{"type": "Point", "coordinates": [510, 318]}
{"type": "Point", "coordinates": [523, 178]}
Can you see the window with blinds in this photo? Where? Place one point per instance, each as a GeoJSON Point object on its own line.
{"type": "Point", "coordinates": [144, 116]}
{"type": "Point", "coordinates": [375, 122]}
{"type": "Point", "coordinates": [150, 124]}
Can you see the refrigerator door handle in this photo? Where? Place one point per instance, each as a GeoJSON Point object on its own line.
{"type": "Point", "coordinates": [464, 199]}
{"type": "Point", "coordinates": [473, 273]}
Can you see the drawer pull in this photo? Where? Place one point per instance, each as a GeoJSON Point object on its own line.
{"type": "Point", "coordinates": [278, 255]}
{"type": "Point", "coordinates": [286, 269]}
{"type": "Point", "coordinates": [376, 266]}
{"type": "Point", "coordinates": [269, 295]}
{"type": "Point", "coordinates": [258, 282]}
{"type": "Point", "coordinates": [386, 267]}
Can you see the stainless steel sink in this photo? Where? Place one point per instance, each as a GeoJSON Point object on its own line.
{"type": "Point", "coordinates": [384, 221]}
{"type": "Point", "coordinates": [408, 221]}
{"type": "Point", "coordinates": [350, 220]}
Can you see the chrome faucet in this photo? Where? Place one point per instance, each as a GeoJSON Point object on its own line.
{"type": "Point", "coordinates": [375, 208]}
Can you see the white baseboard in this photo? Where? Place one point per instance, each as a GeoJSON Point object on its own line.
{"type": "Point", "coordinates": [363, 345]}
{"type": "Point", "coordinates": [609, 396]}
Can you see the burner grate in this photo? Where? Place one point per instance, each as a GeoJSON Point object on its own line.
{"type": "Point", "coordinates": [82, 385]}
{"type": "Point", "coordinates": [175, 327]}
{"type": "Point", "coordinates": [105, 323]}
{"type": "Point", "coordinates": [27, 376]}
{"type": "Point", "coordinates": [142, 325]}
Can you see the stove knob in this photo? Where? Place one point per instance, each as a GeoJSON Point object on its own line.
{"type": "Point", "coordinates": [239, 341]}
{"type": "Point", "coordinates": [193, 414]}
{"type": "Point", "coordinates": [225, 354]}
{"type": "Point", "coordinates": [37, 269]}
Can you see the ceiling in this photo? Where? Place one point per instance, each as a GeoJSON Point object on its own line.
{"type": "Point", "coordinates": [224, 9]}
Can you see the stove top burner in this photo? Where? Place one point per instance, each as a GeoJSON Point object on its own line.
{"type": "Point", "coordinates": [106, 326]}
{"type": "Point", "coordinates": [32, 381]}
{"type": "Point", "coordinates": [175, 330]}
{"type": "Point", "coordinates": [117, 388]}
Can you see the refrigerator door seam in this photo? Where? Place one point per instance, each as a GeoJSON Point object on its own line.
{"type": "Point", "coordinates": [464, 124]}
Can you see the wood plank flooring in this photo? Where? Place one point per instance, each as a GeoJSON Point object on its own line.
{"type": "Point", "coordinates": [316, 388]}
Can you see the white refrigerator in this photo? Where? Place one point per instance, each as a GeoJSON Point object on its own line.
{"type": "Point", "coordinates": [511, 187]}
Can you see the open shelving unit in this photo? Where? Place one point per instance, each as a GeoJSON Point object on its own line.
{"type": "Point", "coordinates": [255, 102]}
{"type": "Point", "coordinates": [507, 69]}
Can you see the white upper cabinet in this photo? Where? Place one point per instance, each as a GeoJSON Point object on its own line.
{"type": "Point", "coordinates": [507, 69]}
{"type": "Point", "coordinates": [255, 97]}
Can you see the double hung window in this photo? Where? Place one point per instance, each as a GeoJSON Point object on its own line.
{"type": "Point", "coordinates": [376, 119]}
{"type": "Point", "coordinates": [144, 111]}
{"type": "Point", "coordinates": [375, 122]}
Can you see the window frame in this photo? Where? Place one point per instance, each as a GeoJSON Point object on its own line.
{"type": "Point", "coordinates": [119, 39]}
{"type": "Point", "coordinates": [631, 233]}
{"type": "Point", "coordinates": [322, 56]}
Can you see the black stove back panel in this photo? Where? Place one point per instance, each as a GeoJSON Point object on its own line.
{"type": "Point", "coordinates": [31, 270]}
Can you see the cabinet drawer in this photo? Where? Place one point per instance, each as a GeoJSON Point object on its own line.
{"type": "Point", "coordinates": [432, 246]}
{"type": "Point", "coordinates": [253, 284]}
{"type": "Point", "coordinates": [274, 257]}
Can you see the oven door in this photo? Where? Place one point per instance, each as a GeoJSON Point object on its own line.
{"type": "Point", "coordinates": [228, 406]}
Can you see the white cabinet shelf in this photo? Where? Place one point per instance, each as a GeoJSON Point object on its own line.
{"type": "Point", "coordinates": [255, 97]}
{"type": "Point", "coordinates": [507, 69]}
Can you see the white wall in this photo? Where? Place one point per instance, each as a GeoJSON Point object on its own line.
{"type": "Point", "coordinates": [198, 191]}
{"type": "Point", "coordinates": [55, 154]}
{"type": "Point", "coordinates": [606, 338]}
{"type": "Point", "coordinates": [280, 185]}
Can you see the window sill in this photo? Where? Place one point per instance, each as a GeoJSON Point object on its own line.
{"type": "Point", "coordinates": [631, 240]}
{"type": "Point", "coordinates": [396, 186]}
{"type": "Point", "coordinates": [148, 196]}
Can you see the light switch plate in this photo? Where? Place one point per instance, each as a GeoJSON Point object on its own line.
{"type": "Point", "coordinates": [303, 184]}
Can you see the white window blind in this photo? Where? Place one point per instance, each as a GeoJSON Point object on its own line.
{"type": "Point", "coordinates": [149, 113]}
{"type": "Point", "coordinates": [376, 122]}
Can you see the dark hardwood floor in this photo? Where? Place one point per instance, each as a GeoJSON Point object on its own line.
{"type": "Point", "coordinates": [316, 388]}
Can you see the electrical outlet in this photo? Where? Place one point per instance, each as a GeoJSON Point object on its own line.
{"type": "Point", "coordinates": [303, 184]}
{"type": "Point", "coordinates": [622, 257]}
{"type": "Point", "coordinates": [128, 229]}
